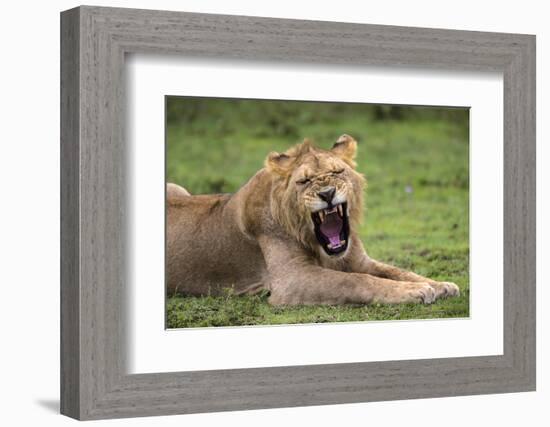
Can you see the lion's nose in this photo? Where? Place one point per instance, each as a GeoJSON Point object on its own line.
{"type": "Point", "coordinates": [327, 194]}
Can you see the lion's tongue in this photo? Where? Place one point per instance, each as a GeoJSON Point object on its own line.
{"type": "Point", "coordinates": [331, 228]}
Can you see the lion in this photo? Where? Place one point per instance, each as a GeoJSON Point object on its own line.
{"type": "Point", "coordinates": [291, 230]}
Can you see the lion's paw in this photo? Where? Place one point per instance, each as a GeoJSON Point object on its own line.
{"type": "Point", "coordinates": [427, 293]}
{"type": "Point", "coordinates": [445, 289]}
{"type": "Point", "coordinates": [413, 292]}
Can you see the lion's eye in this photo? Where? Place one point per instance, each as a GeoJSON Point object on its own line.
{"type": "Point", "coordinates": [303, 181]}
{"type": "Point", "coordinates": [337, 172]}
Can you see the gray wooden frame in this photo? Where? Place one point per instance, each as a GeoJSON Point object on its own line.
{"type": "Point", "coordinates": [94, 41]}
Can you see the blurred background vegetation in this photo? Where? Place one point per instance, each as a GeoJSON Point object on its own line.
{"type": "Point", "coordinates": [415, 159]}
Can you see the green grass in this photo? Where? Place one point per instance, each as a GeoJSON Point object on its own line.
{"type": "Point", "coordinates": [416, 165]}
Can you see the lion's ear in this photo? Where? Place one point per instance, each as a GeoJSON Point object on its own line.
{"type": "Point", "coordinates": [307, 145]}
{"type": "Point", "coordinates": [345, 147]}
{"type": "Point", "coordinates": [278, 163]}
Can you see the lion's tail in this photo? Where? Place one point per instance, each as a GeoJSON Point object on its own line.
{"type": "Point", "coordinates": [174, 191]}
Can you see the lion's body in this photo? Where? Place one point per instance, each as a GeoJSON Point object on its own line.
{"type": "Point", "coordinates": [207, 249]}
{"type": "Point", "coordinates": [290, 230]}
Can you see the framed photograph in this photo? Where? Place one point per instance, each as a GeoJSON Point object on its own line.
{"type": "Point", "coordinates": [262, 213]}
{"type": "Point", "coordinates": [416, 157]}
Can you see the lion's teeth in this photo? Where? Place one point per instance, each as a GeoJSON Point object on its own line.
{"type": "Point", "coordinates": [340, 210]}
{"type": "Point", "coordinates": [331, 246]}
{"type": "Point", "coordinates": [322, 215]}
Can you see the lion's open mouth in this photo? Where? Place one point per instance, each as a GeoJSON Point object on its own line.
{"type": "Point", "coordinates": [332, 228]}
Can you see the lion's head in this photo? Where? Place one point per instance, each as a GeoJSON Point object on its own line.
{"type": "Point", "coordinates": [317, 194]}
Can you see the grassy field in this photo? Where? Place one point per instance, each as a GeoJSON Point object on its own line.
{"type": "Point", "coordinates": [416, 164]}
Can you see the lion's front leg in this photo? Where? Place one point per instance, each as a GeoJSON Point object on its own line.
{"type": "Point", "coordinates": [362, 263]}
{"type": "Point", "coordinates": [318, 285]}
{"type": "Point", "coordinates": [388, 271]}
{"type": "Point", "coordinates": [295, 279]}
